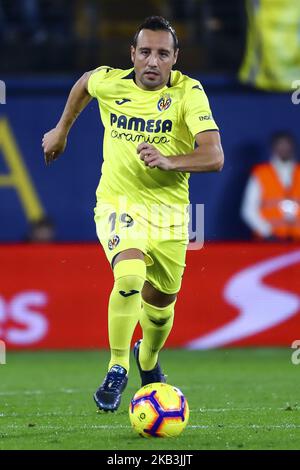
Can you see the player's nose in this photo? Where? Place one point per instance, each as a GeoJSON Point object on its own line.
{"type": "Point", "coordinates": [152, 60]}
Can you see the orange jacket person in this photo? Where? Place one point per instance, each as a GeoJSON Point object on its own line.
{"type": "Point", "coordinates": [271, 204]}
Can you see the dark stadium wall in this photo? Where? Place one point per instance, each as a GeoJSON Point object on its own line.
{"type": "Point", "coordinates": [65, 191]}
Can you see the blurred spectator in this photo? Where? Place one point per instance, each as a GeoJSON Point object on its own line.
{"type": "Point", "coordinates": [21, 20]}
{"type": "Point", "coordinates": [271, 204]}
{"type": "Point", "coordinates": [89, 32]}
{"type": "Point", "coordinates": [41, 231]}
{"type": "Point", "coordinates": [272, 56]}
{"type": "Point", "coordinates": [31, 20]}
{"type": "Point", "coordinates": [2, 19]}
{"type": "Point", "coordinates": [221, 32]}
{"type": "Point", "coordinates": [87, 15]}
{"type": "Point", "coordinates": [179, 10]}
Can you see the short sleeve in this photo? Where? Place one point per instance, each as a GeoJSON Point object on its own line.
{"type": "Point", "coordinates": [95, 80]}
{"type": "Point", "coordinates": [197, 112]}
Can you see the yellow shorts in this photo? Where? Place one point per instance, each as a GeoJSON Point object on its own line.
{"type": "Point", "coordinates": [119, 229]}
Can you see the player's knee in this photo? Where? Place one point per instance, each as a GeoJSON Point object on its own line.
{"type": "Point", "coordinates": [130, 276]}
{"type": "Point", "coordinates": [129, 285]}
{"type": "Point", "coordinates": [160, 320]}
{"type": "Point", "coordinates": [159, 316]}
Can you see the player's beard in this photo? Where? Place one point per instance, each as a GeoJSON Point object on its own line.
{"type": "Point", "coordinates": [153, 81]}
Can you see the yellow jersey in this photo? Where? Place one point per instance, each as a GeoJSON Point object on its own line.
{"type": "Point", "coordinates": [168, 119]}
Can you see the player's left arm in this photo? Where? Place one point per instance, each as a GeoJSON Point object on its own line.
{"type": "Point", "coordinates": [207, 156]}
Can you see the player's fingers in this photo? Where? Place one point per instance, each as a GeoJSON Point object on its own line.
{"type": "Point", "coordinates": [143, 146]}
{"type": "Point", "coordinates": [150, 157]}
{"type": "Point", "coordinates": [153, 163]}
{"type": "Point", "coordinates": [145, 152]}
{"type": "Point", "coordinates": [150, 160]}
{"type": "Point", "coordinates": [44, 139]}
{"type": "Point", "coordinates": [47, 158]}
{"type": "Point", "coordinates": [145, 157]}
{"type": "Point", "coordinates": [49, 149]}
{"type": "Point", "coordinates": [50, 156]}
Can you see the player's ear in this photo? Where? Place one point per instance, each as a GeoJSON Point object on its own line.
{"type": "Point", "coordinates": [175, 56]}
{"type": "Point", "coordinates": [132, 52]}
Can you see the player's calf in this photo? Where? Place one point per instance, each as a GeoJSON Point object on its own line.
{"type": "Point", "coordinates": [156, 323]}
{"type": "Point", "coordinates": [123, 314]}
{"type": "Point", "coordinates": [124, 308]}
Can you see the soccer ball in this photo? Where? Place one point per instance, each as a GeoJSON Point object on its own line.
{"type": "Point", "coordinates": [159, 410]}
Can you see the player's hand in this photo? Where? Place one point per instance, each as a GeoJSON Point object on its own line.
{"type": "Point", "coordinates": [153, 158]}
{"type": "Point", "coordinates": [54, 143]}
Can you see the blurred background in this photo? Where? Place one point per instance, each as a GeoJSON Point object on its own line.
{"type": "Point", "coordinates": [212, 33]}
{"type": "Point", "coordinates": [246, 53]}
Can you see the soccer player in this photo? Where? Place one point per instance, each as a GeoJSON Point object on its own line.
{"type": "Point", "coordinates": [152, 116]}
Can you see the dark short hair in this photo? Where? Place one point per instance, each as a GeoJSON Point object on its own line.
{"type": "Point", "coordinates": [156, 23]}
{"type": "Point", "coordinates": [279, 135]}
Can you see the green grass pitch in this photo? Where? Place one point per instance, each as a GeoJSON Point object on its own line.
{"type": "Point", "coordinates": [239, 399]}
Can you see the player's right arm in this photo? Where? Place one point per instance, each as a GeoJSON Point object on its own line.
{"type": "Point", "coordinates": [54, 141]}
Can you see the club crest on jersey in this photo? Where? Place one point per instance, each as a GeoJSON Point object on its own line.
{"type": "Point", "coordinates": [113, 242]}
{"type": "Point", "coordinates": [164, 102]}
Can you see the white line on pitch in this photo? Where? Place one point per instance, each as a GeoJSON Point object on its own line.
{"type": "Point", "coordinates": [195, 426]}
{"type": "Point", "coordinates": [43, 392]}
{"type": "Point", "coordinates": [82, 413]}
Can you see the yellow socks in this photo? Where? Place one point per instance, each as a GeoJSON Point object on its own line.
{"type": "Point", "coordinates": [124, 308]}
{"type": "Point", "coordinates": [156, 323]}
{"type": "Point", "coordinates": [124, 311]}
